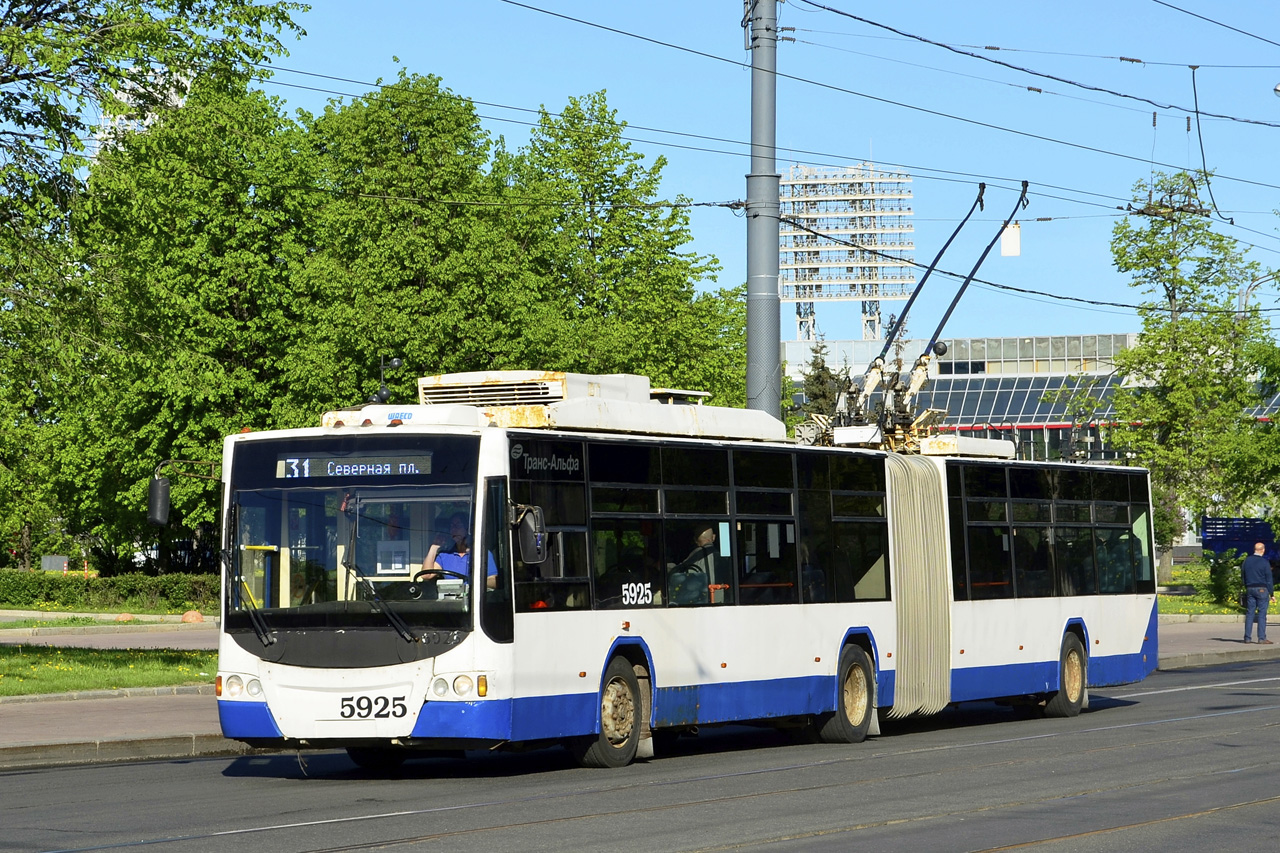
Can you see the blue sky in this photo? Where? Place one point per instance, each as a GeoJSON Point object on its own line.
{"type": "Point", "coordinates": [949, 119]}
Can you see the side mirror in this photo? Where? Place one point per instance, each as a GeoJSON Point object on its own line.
{"type": "Point", "coordinates": [158, 501]}
{"type": "Point", "coordinates": [532, 534]}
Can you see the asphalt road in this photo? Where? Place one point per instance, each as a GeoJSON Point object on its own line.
{"type": "Point", "coordinates": [1186, 760]}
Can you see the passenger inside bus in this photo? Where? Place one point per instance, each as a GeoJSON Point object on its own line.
{"type": "Point", "coordinates": [691, 579]}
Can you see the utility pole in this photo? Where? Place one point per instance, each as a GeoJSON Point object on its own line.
{"type": "Point", "coordinates": [764, 311]}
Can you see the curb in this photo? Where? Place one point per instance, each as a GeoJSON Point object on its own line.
{"type": "Point", "coordinates": [123, 693]}
{"type": "Point", "coordinates": [1189, 660]}
{"type": "Point", "coordinates": [42, 755]}
{"type": "Point", "coordinates": [1179, 618]}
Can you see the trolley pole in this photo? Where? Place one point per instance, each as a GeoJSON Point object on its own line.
{"type": "Point", "coordinates": [764, 312]}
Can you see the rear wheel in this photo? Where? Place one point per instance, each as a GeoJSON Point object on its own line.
{"type": "Point", "coordinates": [620, 723]}
{"type": "Point", "coordinates": [852, 718]}
{"type": "Point", "coordinates": [1073, 678]}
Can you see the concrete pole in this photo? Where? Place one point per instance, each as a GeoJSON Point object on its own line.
{"type": "Point", "coordinates": [764, 311]}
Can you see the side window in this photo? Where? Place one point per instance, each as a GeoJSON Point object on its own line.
{"type": "Point", "coordinates": [860, 570]}
{"type": "Point", "coordinates": [955, 512]}
{"type": "Point", "coordinates": [1114, 551]}
{"type": "Point", "coordinates": [1073, 551]}
{"type": "Point", "coordinates": [1033, 561]}
{"type": "Point", "coordinates": [767, 556]}
{"type": "Point", "coordinates": [990, 566]}
{"type": "Point", "coordinates": [495, 600]}
{"type": "Point", "coordinates": [816, 543]}
{"type": "Point", "coordinates": [626, 556]}
{"type": "Point", "coordinates": [843, 548]}
{"type": "Point", "coordinates": [558, 583]}
{"type": "Point", "coordinates": [989, 534]}
{"type": "Point", "coordinates": [699, 563]}
{"type": "Point", "coordinates": [1141, 529]}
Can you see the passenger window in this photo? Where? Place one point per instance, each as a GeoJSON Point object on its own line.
{"type": "Point", "coordinates": [624, 463]}
{"type": "Point", "coordinates": [626, 556]}
{"type": "Point", "coordinates": [762, 470]}
{"type": "Point", "coordinates": [990, 563]}
{"type": "Point", "coordinates": [767, 556]}
{"type": "Point", "coordinates": [1033, 562]}
{"type": "Point", "coordinates": [1073, 553]}
{"type": "Point", "coordinates": [859, 566]}
{"type": "Point", "coordinates": [698, 562]}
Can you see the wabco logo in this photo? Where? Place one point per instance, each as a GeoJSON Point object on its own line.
{"type": "Point", "coordinates": [399, 416]}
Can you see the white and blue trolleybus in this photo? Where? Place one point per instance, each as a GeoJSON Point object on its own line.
{"type": "Point", "coordinates": [523, 559]}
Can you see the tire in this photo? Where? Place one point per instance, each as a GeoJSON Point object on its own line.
{"type": "Point", "coordinates": [620, 723]}
{"type": "Point", "coordinates": [855, 680]}
{"type": "Point", "coordinates": [376, 759]}
{"type": "Point", "coordinates": [1073, 672]}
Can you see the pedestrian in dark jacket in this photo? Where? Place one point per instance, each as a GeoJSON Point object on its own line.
{"type": "Point", "coordinates": [1258, 588]}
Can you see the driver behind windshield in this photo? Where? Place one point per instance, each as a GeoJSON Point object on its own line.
{"type": "Point", "coordinates": [454, 556]}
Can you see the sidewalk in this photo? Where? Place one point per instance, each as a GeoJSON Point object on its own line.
{"type": "Point", "coordinates": [182, 722]}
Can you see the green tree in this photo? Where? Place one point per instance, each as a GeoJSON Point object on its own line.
{"type": "Point", "coordinates": [29, 506]}
{"type": "Point", "coordinates": [66, 70]}
{"type": "Point", "coordinates": [64, 65]}
{"type": "Point", "coordinates": [247, 270]}
{"type": "Point", "coordinates": [1185, 407]}
{"type": "Point", "coordinates": [190, 230]}
{"type": "Point", "coordinates": [622, 288]}
{"type": "Point", "coordinates": [821, 384]}
{"type": "Point", "coordinates": [416, 254]}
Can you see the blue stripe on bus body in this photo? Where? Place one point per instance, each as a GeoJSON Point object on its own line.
{"type": "Point", "coordinates": [748, 700]}
{"type": "Point", "coordinates": [247, 720]}
{"type": "Point", "coordinates": [987, 682]}
{"type": "Point", "coordinates": [542, 717]}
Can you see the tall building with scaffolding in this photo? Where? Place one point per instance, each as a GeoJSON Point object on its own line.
{"type": "Point", "coordinates": [845, 236]}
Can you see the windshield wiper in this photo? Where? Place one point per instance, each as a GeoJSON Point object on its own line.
{"type": "Point", "coordinates": [349, 563]}
{"type": "Point", "coordinates": [256, 619]}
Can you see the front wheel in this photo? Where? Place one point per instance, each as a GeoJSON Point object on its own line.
{"type": "Point", "coordinates": [620, 723]}
{"type": "Point", "coordinates": [854, 691]}
{"type": "Point", "coordinates": [1073, 678]}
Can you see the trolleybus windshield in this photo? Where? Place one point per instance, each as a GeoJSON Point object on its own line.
{"type": "Point", "coordinates": [334, 533]}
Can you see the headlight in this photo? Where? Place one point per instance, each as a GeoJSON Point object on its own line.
{"type": "Point", "coordinates": [234, 686]}
{"type": "Point", "coordinates": [440, 687]}
{"type": "Point", "coordinates": [254, 688]}
{"type": "Point", "coordinates": [462, 685]}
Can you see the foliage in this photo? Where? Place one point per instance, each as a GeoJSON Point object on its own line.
{"type": "Point", "coordinates": [65, 64]}
{"type": "Point", "coordinates": [235, 268]}
{"type": "Point", "coordinates": [821, 385]}
{"type": "Point", "coordinates": [67, 69]}
{"type": "Point", "coordinates": [620, 292]}
{"type": "Point", "coordinates": [1190, 605]}
{"type": "Point", "coordinates": [33, 670]}
{"type": "Point", "coordinates": [172, 593]}
{"type": "Point", "coordinates": [1166, 516]}
{"type": "Point", "coordinates": [1190, 384]}
{"type": "Point", "coordinates": [191, 233]}
{"type": "Point", "coordinates": [1191, 379]}
{"type": "Point", "coordinates": [1215, 577]}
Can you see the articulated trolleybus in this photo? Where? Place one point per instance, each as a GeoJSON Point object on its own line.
{"type": "Point", "coordinates": [524, 559]}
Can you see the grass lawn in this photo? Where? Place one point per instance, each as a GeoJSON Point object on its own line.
{"type": "Point", "coordinates": [26, 670]}
{"type": "Point", "coordinates": [1191, 605]}
{"type": "Point", "coordinates": [54, 622]}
